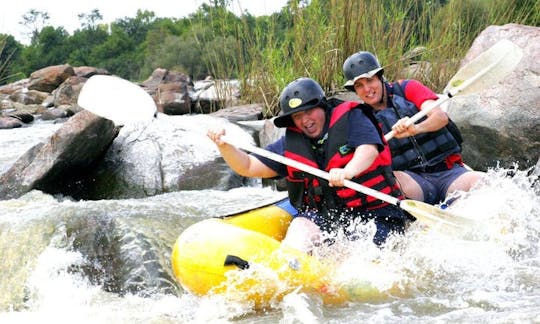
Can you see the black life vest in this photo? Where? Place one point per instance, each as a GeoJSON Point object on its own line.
{"type": "Point", "coordinates": [419, 151]}
{"type": "Point", "coordinates": [308, 192]}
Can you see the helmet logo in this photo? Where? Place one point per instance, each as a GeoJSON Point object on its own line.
{"type": "Point", "coordinates": [295, 102]}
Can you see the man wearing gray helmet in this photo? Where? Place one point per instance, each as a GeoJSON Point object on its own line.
{"type": "Point", "coordinates": [426, 156]}
{"type": "Point", "coordinates": [342, 138]}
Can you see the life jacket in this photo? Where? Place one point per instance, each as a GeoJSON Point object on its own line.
{"type": "Point", "coordinates": [308, 192]}
{"type": "Point", "coordinates": [420, 151]}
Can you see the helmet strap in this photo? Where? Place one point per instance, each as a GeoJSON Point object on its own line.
{"type": "Point", "coordinates": [383, 95]}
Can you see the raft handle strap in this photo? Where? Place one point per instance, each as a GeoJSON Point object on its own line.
{"type": "Point", "coordinates": [237, 261]}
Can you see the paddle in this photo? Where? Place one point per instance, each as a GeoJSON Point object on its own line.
{"type": "Point", "coordinates": [486, 69]}
{"type": "Point", "coordinates": [116, 99]}
{"type": "Point", "coordinates": [426, 213]}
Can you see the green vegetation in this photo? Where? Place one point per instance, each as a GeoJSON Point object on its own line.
{"type": "Point", "coordinates": [306, 38]}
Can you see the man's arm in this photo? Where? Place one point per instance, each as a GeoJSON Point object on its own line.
{"type": "Point", "coordinates": [242, 163]}
{"type": "Point", "coordinates": [363, 158]}
{"type": "Point", "coordinates": [364, 135]}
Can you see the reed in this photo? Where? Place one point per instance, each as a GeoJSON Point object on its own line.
{"type": "Point", "coordinates": [412, 38]}
{"type": "Point", "coordinates": [6, 55]}
{"type": "Point", "coordinates": [417, 39]}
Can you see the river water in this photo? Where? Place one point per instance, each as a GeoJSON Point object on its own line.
{"type": "Point", "coordinates": [108, 261]}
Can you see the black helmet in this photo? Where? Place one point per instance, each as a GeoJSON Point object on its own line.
{"type": "Point", "coordinates": [299, 95]}
{"type": "Point", "coordinates": [360, 65]}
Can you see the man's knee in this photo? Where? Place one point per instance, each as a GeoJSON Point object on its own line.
{"type": "Point", "coordinates": [410, 188]}
{"type": "Point", "coordinates": [465, 181]}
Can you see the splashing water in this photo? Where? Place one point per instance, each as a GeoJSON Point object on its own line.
{"type": "Point", "coordinates": [489, 274]}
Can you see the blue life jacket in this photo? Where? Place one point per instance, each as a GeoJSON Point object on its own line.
{"type": "Point", "coordinates": [415, 152]}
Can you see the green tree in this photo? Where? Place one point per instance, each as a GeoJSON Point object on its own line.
{"type": "Point", "coordinates": [117, 54]}
{"type": "Point", "coordinates": [137, 28]}
{"type": "Point", "coordinates": [85, 39]}
{"type": "Point", "coordinates": [50, 47]}
{"type": "Point", "coordinates": [124, 50]}
{"type": "Point", "coordinates": [176, 53]}
{"type": "Point", "coordinates": [82, 44]}
{"type": "Point", "coordinates": [34, 20]}
{"type": "Point", "coordinates": [89, 21]}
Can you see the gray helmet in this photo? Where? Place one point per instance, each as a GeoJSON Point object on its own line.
{"type": "Point", "coordinates": [360, 65]}
{"type": "Point", "coordinates": [299, 95]}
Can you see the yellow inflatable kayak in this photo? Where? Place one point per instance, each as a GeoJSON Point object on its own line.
{"type": "Point", "coordinates": [241, 256]}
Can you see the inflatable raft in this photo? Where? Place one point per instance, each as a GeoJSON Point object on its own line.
{"type": "Point", "coordinates": [241, 256]}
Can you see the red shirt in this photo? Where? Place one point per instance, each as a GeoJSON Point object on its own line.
{"type": "Point", "coordinates": [417, 93]}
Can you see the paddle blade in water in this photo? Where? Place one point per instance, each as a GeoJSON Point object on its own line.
{"type": "Point", "coordinates": [116, 99]}
{"type": "Point", "coordinates": [434, 217]}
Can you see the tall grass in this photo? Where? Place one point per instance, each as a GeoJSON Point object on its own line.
{"type": "Point", "coordinates": [419, 39]}
{"type": "Point", "coordinates": [313, 38]}
{"type": "Point", "coordinates": [5, 61]}
{"type": "Point", "coordinates": [301, 44]}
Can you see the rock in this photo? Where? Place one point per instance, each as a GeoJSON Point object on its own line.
{"type": "Point", "coordinates": [171, 153]}
{"type": "Point", "coordinates": [173, 98]}
{"type": "Point", "coordinates": [28, 97]}
{"type": "Point", "coordinates": [212, 95]}
{"type": "Point", "coordinates": [170, 91]}
{"type": "Point", "coordinates": [16, 109]}
{"type": "Point", "coordinates": [22, 116]}
{"type": "Point", "coordinates": [67, 93]}
{"type": "Point", "coordinates": [502, 122]}
{"type": "Point", "coordinates": [88, 71]}
{"type": "Point", "coordinates": [240, 113]}
{"type": "Point", "coordinates": [53, 114]}
{"type": "Point", "coordinates": [49, 78]}
{"type": "Point", "coordinates": [55, 165]}
{"type": "Point", "coordinates": [9, 122]}
{"type": "Point", "coordinates": [155, 79]}
{"type": "Point", "coordinates": [12, 87]}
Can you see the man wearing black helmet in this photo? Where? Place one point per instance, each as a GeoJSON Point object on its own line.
{"type": "Point", "coordinates": [342, 138]}
{"type": "Point", "coordinates": [426, 156]}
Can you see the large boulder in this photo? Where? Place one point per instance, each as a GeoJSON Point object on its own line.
{"type": "Point", "coordinates": [68, 92]}
{"type": "Point", "coordinates": [55, 165]}
{"type": "Point", "coordinates": [501, 124]}
{"type": "Point", "coordinates": [170, 91]}
{"type": "Point", "coordinates": [49, 78]}
{"type": "Point", "coordinates": [171, 153]}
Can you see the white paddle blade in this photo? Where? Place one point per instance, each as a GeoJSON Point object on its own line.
{"type": "Point", "coordinates": [486, 69]}
{"type": "Point", "coordinates": [434, 217]}
{"type": "Point", "coordinates": [116, 99]}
